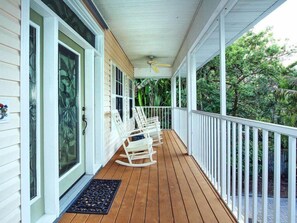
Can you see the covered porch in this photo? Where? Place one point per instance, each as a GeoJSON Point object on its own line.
{"type": "Point", "coordinates": [58, 93]}
{"type": "Point", "coordinates": [208, 168]}
{"type": "Point", "coordinates": [173, 190]}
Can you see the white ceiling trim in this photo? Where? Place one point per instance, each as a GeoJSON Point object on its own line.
{"type": "Point", "coordinates": [140, 73]}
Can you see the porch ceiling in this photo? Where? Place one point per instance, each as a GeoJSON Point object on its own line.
{"type": "Point", "coordinates": [170, 29]}
{"type": "Point", "coordinates": [144, 28]}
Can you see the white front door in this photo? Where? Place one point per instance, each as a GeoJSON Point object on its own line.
{"type": "Point", "coordinates": [71, 110]}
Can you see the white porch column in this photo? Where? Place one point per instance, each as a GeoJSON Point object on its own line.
{"type": "Point", "coordinates": [51, 143]}
{"type": "Point", "coordinates": [191, 98]}
{"type": "Point", "coordinates": [173, 100]}
{"type": "Point", "coordinates": [179, 91]}
{"type": "Point", "coordinates": [223, 102]}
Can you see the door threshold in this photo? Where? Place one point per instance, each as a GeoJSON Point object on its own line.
{"type": "Point", "coordinates": [67, 199]}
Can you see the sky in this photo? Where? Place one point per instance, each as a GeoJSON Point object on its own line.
{"type": "Point", "coordinates": [283, 20]}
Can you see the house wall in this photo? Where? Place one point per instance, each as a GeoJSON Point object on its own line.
{"type": "Point", "coordinates": [10, 15]}
{"type": "Point", "coordinates": [113, 53]}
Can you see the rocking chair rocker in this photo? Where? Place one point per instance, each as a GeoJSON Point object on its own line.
{"type": "Point", "coordinates": [134, 150]}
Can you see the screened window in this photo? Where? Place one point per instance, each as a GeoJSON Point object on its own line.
{"type": "Point", "coordinates": [183, 91]}
{"type": "Point", "coordinates": [130, 98]}
{"type": "Point", "coordinates": [119, 91]}
{"type": "Point", "coordinates": [177, 91]}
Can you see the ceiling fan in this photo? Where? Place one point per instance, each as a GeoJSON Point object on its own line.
{"type": "Point", "coordinates": [155, 65]}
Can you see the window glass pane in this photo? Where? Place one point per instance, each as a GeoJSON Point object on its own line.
{"type": "Point", "coordinates": [119, 106]}
{"type": "Point", "coordinates": [130, 88]}
{"type": "Point", "coordinates": [63, 11]}
{"type": "Point", "coordinates": [68, 108]}
{"type": "Point", "coordinates": [183, 86]}
{"type": "Point", "coordinates": [177, 91]}
{"type": "Point", "coordinates": [117, 74]}
{"type": "Point", "coordinates": [130, 108]}
{"type": "Point", "coordinates": [33, 112]}
{"type": "Point", "coordinates": [117, 88]}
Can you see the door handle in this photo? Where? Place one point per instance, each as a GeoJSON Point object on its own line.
{"type": "Point", "coordinates": [84, 119]}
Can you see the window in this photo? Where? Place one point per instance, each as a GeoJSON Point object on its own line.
{"type": "Point", "coordinates": [130, 98]}
{"type": "Point", "coordinates": [118, 90]}
{"type": "Point", "coordinates": [177, 91]}
{"type": "Point", "coordinates": [183, 91]}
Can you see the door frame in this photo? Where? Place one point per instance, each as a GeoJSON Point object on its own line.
{"type": "Point", "coordinates": [94, 154]}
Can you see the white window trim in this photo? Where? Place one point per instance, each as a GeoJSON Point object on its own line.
{"type": "Point", "coordinates": [24, 103]}
{"type": "Point", "coordinates": [114, 95]}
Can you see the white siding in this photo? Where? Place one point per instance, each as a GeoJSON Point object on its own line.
{"type": "Point", "coordinates": [10, 90]}
{"type": "Point", "coordinates": [113, 54]}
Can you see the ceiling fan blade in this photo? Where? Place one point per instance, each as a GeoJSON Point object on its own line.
{"type": "Point", "coordinates": [155, 69]}
{"type": "Point", "coordinates": [162, 65]}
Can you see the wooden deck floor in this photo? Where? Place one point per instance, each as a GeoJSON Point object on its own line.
{"type": "Point", "coordinates": [173, 190]}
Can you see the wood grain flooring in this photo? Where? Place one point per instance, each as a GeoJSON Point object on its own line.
{"type": "Point", "coordinates": [173, 190]}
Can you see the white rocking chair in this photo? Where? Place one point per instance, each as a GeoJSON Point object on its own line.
{"type": "Point", "coordinates": [134, 150]}
{"type": "Point", "coordinates": [148, 120]}
{"type": "Point", "coordinates": [153, 129]}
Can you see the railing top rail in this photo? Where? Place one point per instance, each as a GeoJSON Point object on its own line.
{"type": "Point", "coordinates": [179, 108]}
{"type": "Point", "coordinates": [154, 106]}
{"type": "Point", "coordinates": [284, 130]}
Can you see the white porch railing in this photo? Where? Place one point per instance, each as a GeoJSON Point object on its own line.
{"type": "Point", "coordinates": [247, 142]}
{"type": "Point", "coordinates": [180, 123]}
{"type": "Point", "coordinates": [163, 112]}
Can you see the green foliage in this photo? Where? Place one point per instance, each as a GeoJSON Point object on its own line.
{"type": "Point", "coordinates": [259, 86]}
{"type": "Point", "coordinates": [153, 92]}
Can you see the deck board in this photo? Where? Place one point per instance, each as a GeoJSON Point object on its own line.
{"type": "Point", "coordinates": [173, 190]}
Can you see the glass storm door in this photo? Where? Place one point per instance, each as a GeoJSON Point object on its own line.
{"type": "Point", "coordinates": [70, 105]}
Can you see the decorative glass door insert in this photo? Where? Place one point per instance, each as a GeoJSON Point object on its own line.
{"type": "Point", "coordinates": [33, 111]}
{"type": "Point", "coordinates": [68, 109]}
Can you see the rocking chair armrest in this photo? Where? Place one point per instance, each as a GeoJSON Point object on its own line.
{"type": "Point", "coordinates": [133, 131]}
{"type": "Point", "coordinates": [141, 132]}
{"type": "Point", "coordinates": [153, 119]}
{"type": "Point", "coordinates": [152, 126]}
{"type": "Point", "coordinates": [136, 134]}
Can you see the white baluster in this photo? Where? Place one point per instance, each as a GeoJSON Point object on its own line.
{"type": "Point", "coordinates": [233, 167]}
{"type": "Point", "coordinates": [264, 175]}
{"type": "Point", "coordinates": [239, 166]}
{"type": "Point", "coordinates": [228, 162]}
{"type": "Point", "coordinates": [255, 175]}
{"type": "Point", "coordinates": [292, 179]}
{"type": "Point", "coordinates": [246, 173]}
{"type": "Point", "coordinates": [277, 175]}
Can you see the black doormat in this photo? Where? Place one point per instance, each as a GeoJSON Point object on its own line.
{"type": "Point", "coordinates": [96, 198]}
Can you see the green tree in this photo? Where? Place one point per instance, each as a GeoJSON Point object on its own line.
{"type": "Point", "coordinates": [259, 86]}
{"type": "Point", "coordinates": [153, 92]}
